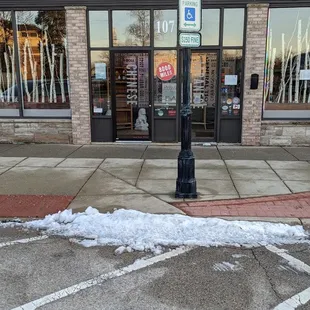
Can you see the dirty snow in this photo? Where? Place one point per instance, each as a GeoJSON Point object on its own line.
{"type": "Point", "coordinates": [134, 230]}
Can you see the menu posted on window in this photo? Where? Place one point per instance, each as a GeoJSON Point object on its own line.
{"type": "Point", "coordinates": [100, 71]}
{"type": "Point", "coordinates": [231, 79]}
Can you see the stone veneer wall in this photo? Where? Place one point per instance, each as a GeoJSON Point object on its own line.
{"type": "Point", "coordinates": [254, 63]}
{"type": "Point", "coordinates": [35, 130]}
{"type": "Point", "coordinates": [78, 73]}
{"type": "Point", "coordinates": [285, 133]}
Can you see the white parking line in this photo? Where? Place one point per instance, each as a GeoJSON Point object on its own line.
{"type": "Point", "coordinates": [301, 298]}
{"type": "Point", "coordinates": [296, 301]}
{"type": "Point", "coordinates": [294, 262]}
{"type": "Point", "coordinates": [27, 240]}
{"type": "Point", "coordinates": [139, 264]}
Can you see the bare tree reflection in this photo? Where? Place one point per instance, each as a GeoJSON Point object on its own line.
{"type": "Point", "coordinates": [140, 29]}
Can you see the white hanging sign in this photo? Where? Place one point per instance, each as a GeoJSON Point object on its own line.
{"type": "Point", "coordinates": [231, 79]}
{"type": "Point", "coordinates": [305, 75]}
{"type": "Point", "coordinates": [190, 15]}
{"type": "Point", "coordinates": [189, 39]}
{"type": "Point", "coordinates": [100, 71]}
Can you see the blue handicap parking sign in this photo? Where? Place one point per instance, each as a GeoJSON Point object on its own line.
{"type": "Point", "coordinates": [190, 14]}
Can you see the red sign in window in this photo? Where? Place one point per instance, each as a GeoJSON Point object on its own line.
{"type": "Point", "coordinates": [165, 71]}
{"type": "Point", "coordinates": [172, 112]}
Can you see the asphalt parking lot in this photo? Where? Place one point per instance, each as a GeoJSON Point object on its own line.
{"type": "Point", "coordinates": [40, 272]}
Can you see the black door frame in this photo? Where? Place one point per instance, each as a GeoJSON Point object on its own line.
{"type": "Point", "coordinates": [113, 90]}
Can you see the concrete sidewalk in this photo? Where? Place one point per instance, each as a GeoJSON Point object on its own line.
{"type": "Point", "coordinates": [153, 151]}
{"type": "Point", "coordinates": [36, 186]}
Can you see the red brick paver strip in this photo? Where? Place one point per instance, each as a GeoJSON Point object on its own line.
{"type": "Point", "coordinates": [32, 206]}
{"type": "Point", "coordinates": [294, 205]}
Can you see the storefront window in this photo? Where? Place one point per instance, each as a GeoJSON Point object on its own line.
{"type": "Point", "coordinates": [100, 81]}
{"type": "Point", "coordinates": [165, 83]}
{"type": "Point", "coordinates": [131, 28]}
{"type": "Point", "coordinates": [165, 28]}
{"type": "Point", "coordinates": [210, 31]}
{"type": "Point", "coordinates": [133, 113]}
{"type": "Point", "coordinates": [231, 83]}
{"type": "Point", "coordinates": [43, 59]}
{"type": "Point", "coordinates": [99, 28]}
{"type": "Point", "coordinates": [204, 88]}
{"type": "Point", "coordinates": [287, 67]}
{"type": "Point", "coordinates": [233, 27]}
{"type": "Point", "coordinates": [8, 88]}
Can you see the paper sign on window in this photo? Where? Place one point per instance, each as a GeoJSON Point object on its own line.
{"type": "Point", "coordinates": [100, 71]}
{"type": "Point", "coordinates": [169, 93]}
{"type": "Point", "coordinates": [98, 110]}
{"type": "Point", "coordinates": [231, 79]}
{"type": "Point", "coordinates": [305, 75]}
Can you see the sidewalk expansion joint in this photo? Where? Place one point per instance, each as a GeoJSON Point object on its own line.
{"type": "Point", "coordinates": [283, 148]}
{"type": "Point", "coordinates": [140, 171]}
{"type": "Point", "coordinates": [142, 156]}
{"type": "Point", "coordinates": [283, 181]}
{"type": "Point", "coordinates": [231, 178]}
{"type": "Point", "coordinates": [88, 178]}
{"type": "Point", "coordinates": [74, 151]}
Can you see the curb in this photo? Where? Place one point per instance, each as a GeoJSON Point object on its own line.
{"type": "Point", "coordinates": [287, 206]}
{"type": "Point", "coordinates": [282, 220]}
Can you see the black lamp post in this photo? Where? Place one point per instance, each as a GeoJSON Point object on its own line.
{"type": "Point", "coordinates": [186, 182]}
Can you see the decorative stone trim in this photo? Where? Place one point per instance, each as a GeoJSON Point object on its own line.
{"type": "Point", "coordinates": [285, 133]}
{"type": "Point", "coordinates": [35, 131]}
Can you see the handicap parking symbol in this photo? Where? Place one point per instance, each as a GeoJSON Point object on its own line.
{"type": "Point", "coordinates": [190, 14]}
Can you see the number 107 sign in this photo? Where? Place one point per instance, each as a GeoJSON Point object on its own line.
{"type": "Point", "coordinates": [190, 15]}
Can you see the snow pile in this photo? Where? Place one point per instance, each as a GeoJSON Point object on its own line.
{"type": "Point", "coordinates": [133, 230]}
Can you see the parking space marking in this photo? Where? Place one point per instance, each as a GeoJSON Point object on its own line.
{"type": "Point", "coordinates": [22, 241]}
{"type": "Point", "coordinates": [301, 298]}
{"type": "Point", "coordinates": [296, 301]}
{"type": "Point", "coordinates": [139, 264]}
{"type": "Point", "coordinates": [293, 262]}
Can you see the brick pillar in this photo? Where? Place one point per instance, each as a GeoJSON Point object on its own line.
{"type": "Point", "coordinates": [254, 63]}
{"type": "Point", "coordinates": [78, 73]}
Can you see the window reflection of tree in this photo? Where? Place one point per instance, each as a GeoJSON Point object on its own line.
{"type": "Point", "coordinates": [287, 54]}
{"type": "Point", "coordinates": [43, 56]}
{"type": "Point", "coordinates": [7, 60]}
{"type": "Point", "coordinates": [158, 17]}
{"type": "Point", "coordinates": [139, 30]}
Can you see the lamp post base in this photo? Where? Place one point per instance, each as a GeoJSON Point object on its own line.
{"type": "Point", "coordinates": [186, 183]}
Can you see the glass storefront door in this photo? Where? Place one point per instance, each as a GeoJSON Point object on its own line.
{"type": "Point", "coordinates": [204, 90]}
{"type": "Point", "coordinates": [132, 95]}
